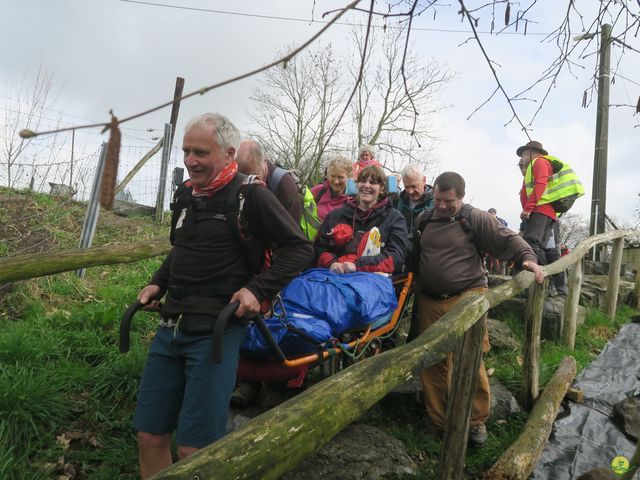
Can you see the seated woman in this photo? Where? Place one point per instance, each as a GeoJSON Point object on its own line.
{"type": "Point", "coordinates": [341, 244]}
{"type": "Point", "coordinates": [331, 194]}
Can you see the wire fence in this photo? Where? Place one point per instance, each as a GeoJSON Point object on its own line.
{"type": "Point", "coordinates": [50, 175]}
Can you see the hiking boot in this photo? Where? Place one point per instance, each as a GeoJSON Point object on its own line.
{"type": "Point", "coordinates": [245, 393]}
{"type": "Point", "coordinates": [430, 429]}
{"type": "Point", "coordinates": [477, 435]}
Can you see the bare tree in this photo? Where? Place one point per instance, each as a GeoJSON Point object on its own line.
{"type": "Point", "coordinates": [26, 111]}
{"type": "Point", "coordinates": [396, 99]}
{"type": "Point", "coordinates": [572, 52]}
{"type": "Point", "coordinates": [573, 228]}
{"type": "Point", "coordinates": [297, 107]}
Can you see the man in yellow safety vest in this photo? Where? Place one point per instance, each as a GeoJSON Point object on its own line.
{"type": "Point", "coordinates": [549, 185]}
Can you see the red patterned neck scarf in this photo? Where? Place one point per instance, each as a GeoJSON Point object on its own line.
{"type": "Point", "coordinates": [222, 179]}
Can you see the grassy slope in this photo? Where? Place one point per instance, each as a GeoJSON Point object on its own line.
{"type": "Point", "coordinates": [67, 394]}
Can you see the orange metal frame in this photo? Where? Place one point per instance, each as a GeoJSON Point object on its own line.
{"type": "Point", "coordinates": [368, 334]}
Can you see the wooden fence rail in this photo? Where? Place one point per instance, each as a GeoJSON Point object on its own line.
{"type": "Point", "coordinates": [23, 267]}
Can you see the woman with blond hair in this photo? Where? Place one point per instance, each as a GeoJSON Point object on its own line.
{"type": "Point", "coordinates": [332, 193]}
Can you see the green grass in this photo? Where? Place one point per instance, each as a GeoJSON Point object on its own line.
{"type": "Point", "coordinates": [591, 338]}
{"type": "Point", "coordinates": [61, 373]}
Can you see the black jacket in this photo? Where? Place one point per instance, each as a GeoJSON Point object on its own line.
{"type": "Point", "coordinates": [393, 236]}
{"type": "Point", "coordinates": [207, 255]}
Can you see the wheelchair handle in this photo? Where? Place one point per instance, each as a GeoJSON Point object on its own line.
{"type": "Point", "coordinates": [219, 327]}
{"type": "Point", "coordinates": [221, 323]}
{"type": "Point", "coordinates": [125, 325]}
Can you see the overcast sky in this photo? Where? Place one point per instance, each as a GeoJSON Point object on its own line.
{"type": "Point", "coordinates": [111, 54]}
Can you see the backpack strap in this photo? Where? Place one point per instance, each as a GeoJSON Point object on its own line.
{"type": "Point", "coordinates": [320, 193]}
{"type": "Point", "coordinates": [276, 178]}
{"type": "Point", "coordinates": [240, 189]}
{"type": "Point", "coordinates": [425, 220]}
{"type": "Point", "coordinates": [414, 260]}
{"type": "Point", "coordinates": [181, 200]}
{"type": "Point", "coordinates": [463, 217]}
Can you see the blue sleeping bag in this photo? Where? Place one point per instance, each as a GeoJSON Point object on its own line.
{"type": "Point", "coordinates": [324, 304]}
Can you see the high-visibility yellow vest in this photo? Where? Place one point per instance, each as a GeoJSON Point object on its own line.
{"type": "Point", "coordinates": [309, 221]}
{"type": "Point", "coordinates": [563, 187]}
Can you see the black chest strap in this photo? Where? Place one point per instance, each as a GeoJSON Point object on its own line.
{"type": "Point", "coordinates": [463, 218]}
{"type": "Point", "coordinates": [227, 205]}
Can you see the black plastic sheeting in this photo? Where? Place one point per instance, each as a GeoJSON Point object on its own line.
{"type": "Point", "coordinates": [584, 436]}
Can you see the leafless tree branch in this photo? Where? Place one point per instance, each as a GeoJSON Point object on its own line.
{"type": "Point", "coordinates": [472, 24]}
{"type": "Point", "coordinates": [404, 74]}
{"type": "Point", "coordinates": [204, 90]}
{"type": "Point", "coordinates": [355, 87]}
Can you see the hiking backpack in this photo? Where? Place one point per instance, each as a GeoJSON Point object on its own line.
{"type": "Point", "coordinates": [230, 208]}
{"type": "Point", "coordinates": [309, 221]}
{"type": "Point", "coordinates": [463, 217]}
{"type": "Point", "coordinates": [563, 187]}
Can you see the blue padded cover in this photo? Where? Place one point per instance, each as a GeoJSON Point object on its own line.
{"type": "Point", "coordinates": [325, 304]}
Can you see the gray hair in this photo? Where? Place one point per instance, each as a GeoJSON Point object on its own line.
{"type": "Point", "coordinates": [411, 171]}
{"type": "Point", "coordinates": [366, 149]}
{"type": "Point", "coordinates": [256, 150]}
{"type": "Point", "coordinates": [340, 162]}
{"type": "Point", "coordinates": [226, 133]}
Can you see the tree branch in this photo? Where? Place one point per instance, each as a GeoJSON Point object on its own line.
{"type": "Point", "coordinates": [493, 71]}
{"type": "Point", "coordinates": [284, 60]}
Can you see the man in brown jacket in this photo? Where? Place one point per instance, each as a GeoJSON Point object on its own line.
{"type": "Point", "coordinates": [452, 236]}
{"type": "Point", "coordinates": [253, 161]}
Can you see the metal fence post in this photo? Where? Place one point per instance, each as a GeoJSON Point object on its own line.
{"type": "Point", "coordinates": [93, 208]}
{"type": "Point", "coordinates": [162, 185]}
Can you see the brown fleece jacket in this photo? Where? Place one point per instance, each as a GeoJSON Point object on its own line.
{"type": "Point", "coordinates": [449, 260]}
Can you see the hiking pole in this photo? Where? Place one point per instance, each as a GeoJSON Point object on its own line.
{"type": "Point", "coordinates": [125, 325]}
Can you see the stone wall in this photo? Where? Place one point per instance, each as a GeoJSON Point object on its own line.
{"type": "Point", "coordinates": [631, 257]}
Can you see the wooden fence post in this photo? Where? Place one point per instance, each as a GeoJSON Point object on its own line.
{"type": "Point", "coordinates": [636, 291]}
{"type": "Point", "coordinates": [466, 362]}
{"type": "Point", "coordinates": [519, 460]}
{"type": "Point", "coordinates": [571, 306]}
{"type": "Point", "coordinates": [531, 354]}
{"type": "Point", "coordinates": [611, 300]}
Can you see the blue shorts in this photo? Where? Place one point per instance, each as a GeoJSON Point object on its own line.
{"type": "Point", "coordinates": [183, 390]}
